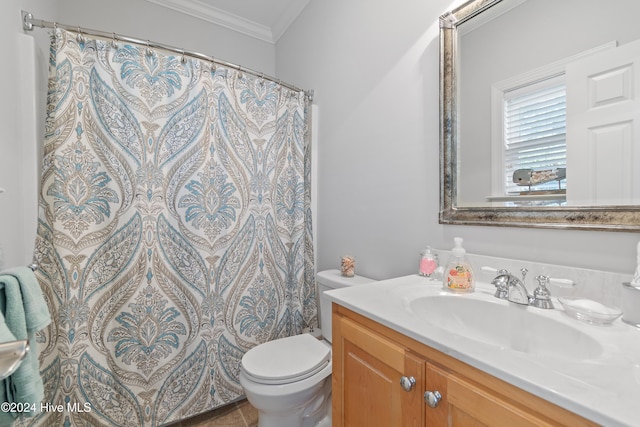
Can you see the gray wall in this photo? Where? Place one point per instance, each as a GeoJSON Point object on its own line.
{"type": "Point", "coordinates": [374, 67]}
{"type": "Point", "coordinates": [21, 122]}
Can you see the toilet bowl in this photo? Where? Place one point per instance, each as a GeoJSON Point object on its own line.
{"type": "Point", "coordinates": [288, 380]}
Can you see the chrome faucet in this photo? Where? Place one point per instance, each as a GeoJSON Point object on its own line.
{"type": "Point", "coordinates": [511, 288]}
{"type": "Point", "coordinates": [517, 291]}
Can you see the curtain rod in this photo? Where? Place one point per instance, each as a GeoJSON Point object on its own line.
{"type": "Point", "coordinates": [28, 22]}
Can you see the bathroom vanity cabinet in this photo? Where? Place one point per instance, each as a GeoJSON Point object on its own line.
{"type": "Point", "coordinates": [382, 378]}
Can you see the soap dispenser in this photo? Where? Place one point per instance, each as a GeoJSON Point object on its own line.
{"type": "Point", "coordinates": [458, 275]}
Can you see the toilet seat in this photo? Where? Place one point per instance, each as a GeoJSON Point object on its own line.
{"type": "Point", "coordinates": [286, 360]}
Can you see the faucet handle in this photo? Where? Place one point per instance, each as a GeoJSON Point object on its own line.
{"type": "Point", "coordinates": [500, 281]}
{"type": "Point", "coordinates": [562, 283]}
{"type": "Point", "coordinates": [542, 296]}
{"type": "Point", "coordinates": [524, 272]}
{"type": "Point", "coordinates": [497, 271]}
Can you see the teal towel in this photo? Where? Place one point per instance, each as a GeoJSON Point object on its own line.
{"type": "Point", "coordinates": [5, 334]}
{"type": "Point", "coordinates": [35, 307]}
{"type": "Point", "coordinates": [6, 418]}
{"type": "Point", "coordinates": [25, 312]}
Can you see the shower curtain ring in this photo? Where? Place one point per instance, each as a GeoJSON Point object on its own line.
{"type": "Point", "coordinates": [79, 37]}
{"type": "Point", "coordinates": [213, 64]}
{"type": "Point", "coordinates": [148, 50]}
{"type": "Point", "coordinates": [240, 74]}
{"type": "Point", "coordinates": [114, 43]}
{"type": "Point", "coordinates": [183, 59]}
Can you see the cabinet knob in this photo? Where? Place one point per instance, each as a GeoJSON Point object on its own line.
{"type": "Point", "coordinates": [407, 383]}
{"type": "Point", "coordinates": [432, 398]}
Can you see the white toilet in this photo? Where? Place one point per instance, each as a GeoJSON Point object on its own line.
{"type": "Point", "coordinates": [289, 380]}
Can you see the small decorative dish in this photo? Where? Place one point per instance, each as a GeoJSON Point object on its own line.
{"type": "Point", "coordinates": [589, 311]}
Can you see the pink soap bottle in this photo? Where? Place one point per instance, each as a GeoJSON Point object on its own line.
{"type": "Point", "coordinates": [428, 262]}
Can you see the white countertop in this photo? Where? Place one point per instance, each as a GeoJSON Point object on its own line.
{"type": "Point", "coordinates": [604, 388]}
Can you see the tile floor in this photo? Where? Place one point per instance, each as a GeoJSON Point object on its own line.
{"type": "Point", "coordinates": [238, 414]}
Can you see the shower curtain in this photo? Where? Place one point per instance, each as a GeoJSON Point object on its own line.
{"type": "Point", "coordinates": [174, 231]}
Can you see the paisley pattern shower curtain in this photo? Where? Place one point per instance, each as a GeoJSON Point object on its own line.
{"type": "Point", "coordinates": [174, 231]}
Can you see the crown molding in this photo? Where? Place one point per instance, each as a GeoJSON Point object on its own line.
{"type": "Point", "coordinates": [220, 17]}
{"type": "Point", "coordinates": [287, 18]}
{"type": "Point", "coordinates": [237, 23]}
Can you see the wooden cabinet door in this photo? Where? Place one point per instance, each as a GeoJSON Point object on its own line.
{"type": "Point", "coordinates": [367, 370]}
{"type": "Point", "coordinates": [466, 404]}
{"type": "Point", "coordinates": [436, 381]}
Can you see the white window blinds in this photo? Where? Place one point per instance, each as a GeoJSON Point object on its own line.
{"type": "Point", "coordinates": [534, 130]}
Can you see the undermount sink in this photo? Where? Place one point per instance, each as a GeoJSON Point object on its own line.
{"type": "Point", "coordinates": [505, 325]}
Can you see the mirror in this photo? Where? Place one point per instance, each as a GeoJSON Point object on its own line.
{"type": "Point", "coordinates": [493, 53]}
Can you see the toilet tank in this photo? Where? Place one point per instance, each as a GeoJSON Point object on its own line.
{"type": "Point", "coordinates": [328, 280]}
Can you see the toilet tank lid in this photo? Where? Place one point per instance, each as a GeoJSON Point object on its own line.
{"type": "Point", "coordinates": [334, 279]}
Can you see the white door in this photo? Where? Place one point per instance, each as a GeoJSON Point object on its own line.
{"type": "Point", "coordinates": [603, 128]}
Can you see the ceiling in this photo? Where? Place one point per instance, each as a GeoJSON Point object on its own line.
{"type": "Point", "coordinates": [266, 20]}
